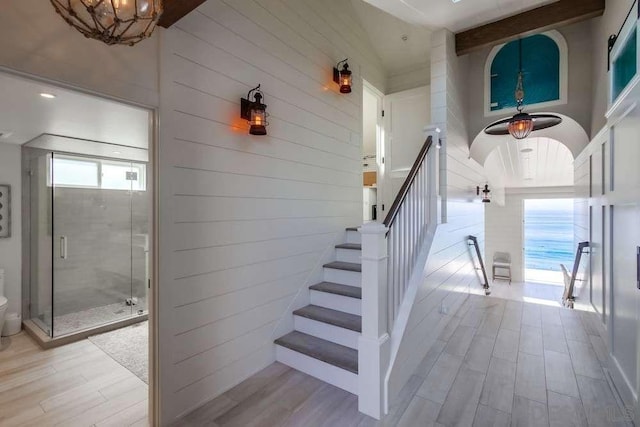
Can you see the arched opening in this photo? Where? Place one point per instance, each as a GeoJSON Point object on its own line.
{"type": "Point", "coordinates": [532, 162]}
{"type": "Point", "coordinates": [569, 132]}
{"type": "Point", "coordinates": [532, 218]}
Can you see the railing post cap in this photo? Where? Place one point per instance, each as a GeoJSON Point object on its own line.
{"type": "Point", "coordinates": [373, 228]}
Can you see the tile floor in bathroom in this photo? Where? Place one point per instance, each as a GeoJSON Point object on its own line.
{"type": "Point", "coordinates": [74, 385]}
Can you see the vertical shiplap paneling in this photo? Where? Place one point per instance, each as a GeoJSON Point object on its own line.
{"type": "Point", "coordinates": [450, 272]}
{"type": "Point", "coordinates": [244, 221]}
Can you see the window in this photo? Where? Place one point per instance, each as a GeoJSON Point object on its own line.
{"type": "Point", "coordinates": [70, 172]}
{"type": "Point", "coordinates": [544, 65]}
{"type": "Point", "coordinates": [80, 172]}
{"type": "Point", "coordinates": [123, 176]}
{"type": "Point", "coordinates": [625, 66]}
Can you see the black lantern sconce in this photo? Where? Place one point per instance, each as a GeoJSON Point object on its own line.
{"type": "Point", "coordinates": [255, 112]}
{"type": "Point", "coordinates": [343, 76]}
{"type": "Point", "coordinates": [486, 193]}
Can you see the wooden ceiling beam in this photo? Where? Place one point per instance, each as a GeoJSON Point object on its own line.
{"type": "Point", "coordinates": [544, 18]}
{"type": "Point", "coordinates": [174, 10]}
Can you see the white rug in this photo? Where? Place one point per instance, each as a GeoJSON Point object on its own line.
{"type": "Point", "coordinates": [129, 347]}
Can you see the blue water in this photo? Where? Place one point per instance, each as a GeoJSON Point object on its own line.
{"type": "Point", "coordinates": [549, 237]}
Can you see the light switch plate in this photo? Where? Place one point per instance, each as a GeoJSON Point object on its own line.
{"type": "Point", "coordinates": [5, 211]}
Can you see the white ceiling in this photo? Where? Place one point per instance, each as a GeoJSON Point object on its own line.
{"type": "Point", "coordinates": [533, 162]}
{"type": "Point", "coordinates": [24, 115]}
{"type": "Point", "coordinates": [462, 15]}
{"type": "Point", "coordinates": [386, 35]}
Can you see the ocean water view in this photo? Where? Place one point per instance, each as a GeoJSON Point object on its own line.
{"type": "Point", "coordinates": [548, 232]}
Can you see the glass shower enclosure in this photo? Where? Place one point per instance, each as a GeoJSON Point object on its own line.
{"type": "Point", "coordinates": [88, 238]}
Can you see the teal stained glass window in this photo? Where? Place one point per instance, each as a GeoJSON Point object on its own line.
{"type": "Point", "coordinates": [540, 66]}
{"type": "Point", "coordinates": [625, 66]}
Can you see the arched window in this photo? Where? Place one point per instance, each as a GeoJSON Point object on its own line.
{"type": "Point", "coordinates": [544, 65]}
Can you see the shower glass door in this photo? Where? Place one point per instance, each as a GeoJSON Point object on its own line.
{"type": "Point", "coordinates": [97, 270]}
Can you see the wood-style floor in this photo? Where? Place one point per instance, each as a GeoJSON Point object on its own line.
{"type": "Point", "coordinates": [74, 385]}
{"type": "Point", "coordinates": [498, 363]}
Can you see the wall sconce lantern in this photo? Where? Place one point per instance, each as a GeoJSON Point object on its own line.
{"type": "Point", "coordinates": [255, 112]}
{"type": "Point", "coordinates": [343, 77]}
{"type": "Point", "coordinates": [486, 193]}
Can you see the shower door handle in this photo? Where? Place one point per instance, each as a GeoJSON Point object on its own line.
{"type": "Point", "coordinates": [63, 247]}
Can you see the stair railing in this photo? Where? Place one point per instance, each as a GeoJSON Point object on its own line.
{"type": "Point", "coordinates": [390, 253]}
{"type": "Point", "coordinates": [407, 222]}
{"type": "Point", "coordinates": [568, 297]}
{"type": "Point", "coordinates": [474, 242]}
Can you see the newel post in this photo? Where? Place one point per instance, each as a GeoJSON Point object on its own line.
{"type": "Point", "coordinates": [374, 344]}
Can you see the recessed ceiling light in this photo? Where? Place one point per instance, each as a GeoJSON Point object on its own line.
{"type": "Point", "coordinates": [455, 1]}
{"type": "Point", "coordinates": [47, 95]}
{"type": "Point", "coordinates": [117, 152]}
{"type": "Point", "coordinates": [527, 150]}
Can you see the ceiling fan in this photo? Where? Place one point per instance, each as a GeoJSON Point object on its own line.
{"type": "Point", "coordinates": [522, 124]}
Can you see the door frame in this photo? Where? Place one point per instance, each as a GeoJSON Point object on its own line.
{"type": "Point", "coordinates": [380, 146]}
{"type": "Point", "coordinates": [153, 172]}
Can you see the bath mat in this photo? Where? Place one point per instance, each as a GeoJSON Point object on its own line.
{"type": "Point", "coordinates": [129, 347]}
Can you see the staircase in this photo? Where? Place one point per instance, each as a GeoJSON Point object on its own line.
{"type": "Point", "coordinates": [324, 343]}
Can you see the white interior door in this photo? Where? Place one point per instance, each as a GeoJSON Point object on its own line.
{"type": "Point", "coordinates": [625, 241]}
{"type": "Point", "coordinates": [405, 116]}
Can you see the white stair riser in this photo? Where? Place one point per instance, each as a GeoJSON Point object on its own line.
{"type": "Point", "coordinates": [343, 277]}
{"type": "Point", "coordinates": [335, 334]}
{"type": "Point", "coordinates": [316, 368]}
{"type": "Point", "coordinates": [353, 237]}
{"type": "Point", "coordinates": [336, 302]}
{"type": "Point", "coordinates": [348, 255]}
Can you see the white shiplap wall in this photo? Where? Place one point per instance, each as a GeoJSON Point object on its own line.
{"type": "Point", "coordinates": [246, 221]}
{"type": "Point", "coordinates": [449, 273]}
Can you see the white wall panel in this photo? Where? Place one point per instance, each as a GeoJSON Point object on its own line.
{"type": "Point", "coordinates": [247, 221]}
{"type": "Point", "coordinates": [450, 272]}
{"type": "Point", "coordinates": [11, 248]}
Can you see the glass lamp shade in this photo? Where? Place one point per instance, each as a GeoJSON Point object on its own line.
{"type": "Point", "coordinates": [258, 121]}
{"type": "Point", "coordinates": [521, 126]}
{"type": "Point", "coordinates": [345, 81]}
{"type": "Point", "coordinates": [111, 21]}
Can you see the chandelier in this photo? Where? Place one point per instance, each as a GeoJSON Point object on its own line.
{"type": "Point", "coordinates": [522, 124]}
{"type": "Point", "coordinates": [113, 22]}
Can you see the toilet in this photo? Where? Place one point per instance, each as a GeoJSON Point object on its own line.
{"type": "Point", "coordinates": [4, 302]}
